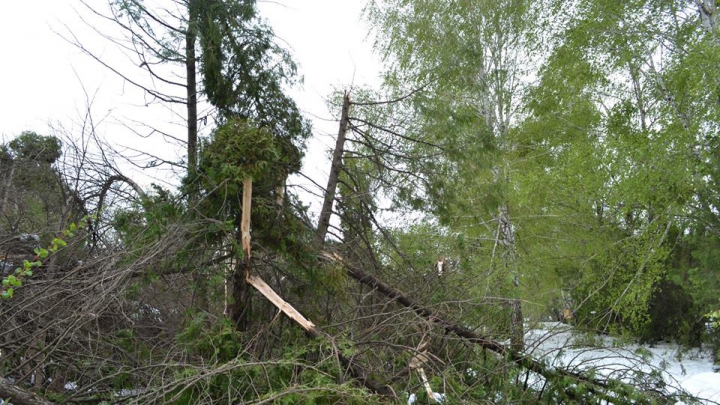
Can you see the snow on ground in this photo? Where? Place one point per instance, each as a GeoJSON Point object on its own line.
{"type": "Point", "coordinates": [663, 366]}
{"type": "Point", "coordinates": [660, 366]}
{"type": "Point", "coordinates": [703, 385]}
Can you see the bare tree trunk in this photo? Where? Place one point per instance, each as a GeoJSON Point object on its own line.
{"type": "Point", "coordinates": [326, 212]}
{"type": "Point", "coordinates": [242, 280]}
{"type": "Point", "coordinates": [240, 306]}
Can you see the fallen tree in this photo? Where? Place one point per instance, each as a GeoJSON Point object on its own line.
{"type": "Point", "coordinates": [578, 384]}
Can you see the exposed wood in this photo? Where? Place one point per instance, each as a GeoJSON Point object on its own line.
{"type": "Point", "coordinates": [20, 396]}
{"type": "Point", "coordinates": [331, 189]}
{"type": "Point", "coordinates": [245, 222]}
{"type": "Point", "coordinates": [280, 194]}
{"type": "Point", "coordinates": [240, 307]}
{"type": "Point", "coordinates": [355, 370]}
{"type": "Point", "coordinates": [426, 384]}
{"type": "Point", "coordinates": [282, 305]}
{"type": "Point", "coordinates": [418, 360]}
{"type": "Point", "coordinates": [241, 301]}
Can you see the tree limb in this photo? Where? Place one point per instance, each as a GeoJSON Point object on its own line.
{"type": "Point", "coordinates": [20, 396]}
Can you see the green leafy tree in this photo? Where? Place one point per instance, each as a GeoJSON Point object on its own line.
{"type": "Point", "coordinates": [471, 60]}
{"type": "Point", "coordinates": [614, 147]}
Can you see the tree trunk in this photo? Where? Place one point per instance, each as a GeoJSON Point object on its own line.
{"type": "Point", "coordinates": [507, 237]}
{"type": "Point", "coordinates": [326, 212]}
{"type": "Point", "coordinates": [241, 305]}
{"type": "Point", "coordinates": [191, 73]}
{"type": "Point", "coordinates": [201, 293]}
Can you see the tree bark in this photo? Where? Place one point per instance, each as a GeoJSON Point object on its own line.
{"type": "Point", "coordinates": [507, 235]}
{"type": "Point", "coordinates": [240, 306]}
{"type": "Point", "coordinates": [201, 290]}
{"type": "Point", "coordinates": [20, 396]}
{"type": "Point", "coordinates": [191, 72]}
{"type": "Point", "coordinates": [326, 212]}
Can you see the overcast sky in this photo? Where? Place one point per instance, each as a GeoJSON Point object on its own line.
{"type": "Point", "coordinates": [44, 79]}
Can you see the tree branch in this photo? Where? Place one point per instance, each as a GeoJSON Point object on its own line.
{"type": "Point", "coordinates": [20, 396]}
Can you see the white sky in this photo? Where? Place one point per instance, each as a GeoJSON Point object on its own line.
{"type": "Point", "coordinates": [42, 76]}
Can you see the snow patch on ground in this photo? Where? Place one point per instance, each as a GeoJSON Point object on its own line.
{"type": "Point", "coordinates": [662, 366]}
{"type": "Point", "coordinates": [704, 385]}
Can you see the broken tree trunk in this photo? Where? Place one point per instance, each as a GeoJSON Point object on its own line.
{"type": "Point", "coordinates": [241, 300]}
{"type": "Point", "coordinates": [426, 384]}
{"type": "Point", "coordinates": [326, 211]}
{"type": "Point", "coordinates": [239, 309]}
{"type": "Point", "coordinates": [417, 363]}
{"type": "Point", "coordinates": [355, 370]}
{"type": "Point", "coordinates": [609, 390]}
{"type": "Point", "coordinates": [292, 313]}
{"type": "Point", "coordinates": [245, 221]}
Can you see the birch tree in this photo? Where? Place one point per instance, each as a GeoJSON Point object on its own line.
{"type": "Point", "coordinates": [475, 58]}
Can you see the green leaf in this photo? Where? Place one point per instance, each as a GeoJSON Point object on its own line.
{"type": "Point", "coordinates": [42, 253]}
{"type": "Point", "coordinates": [7, 294]}
{"type": "Point", "coordinates": [59, 242]}
{"type": "Point", "coordinates": [14, 281]}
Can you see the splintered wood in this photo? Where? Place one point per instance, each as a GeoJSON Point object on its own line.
{"type": "Point", "coordinates": [426, 384]}
{"type": "Point", "coordinates": [417, 362]}
{"type": "Point", "coordinates": [245, 220]}
{"type": "Point", "coordinates": [267, 291]}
